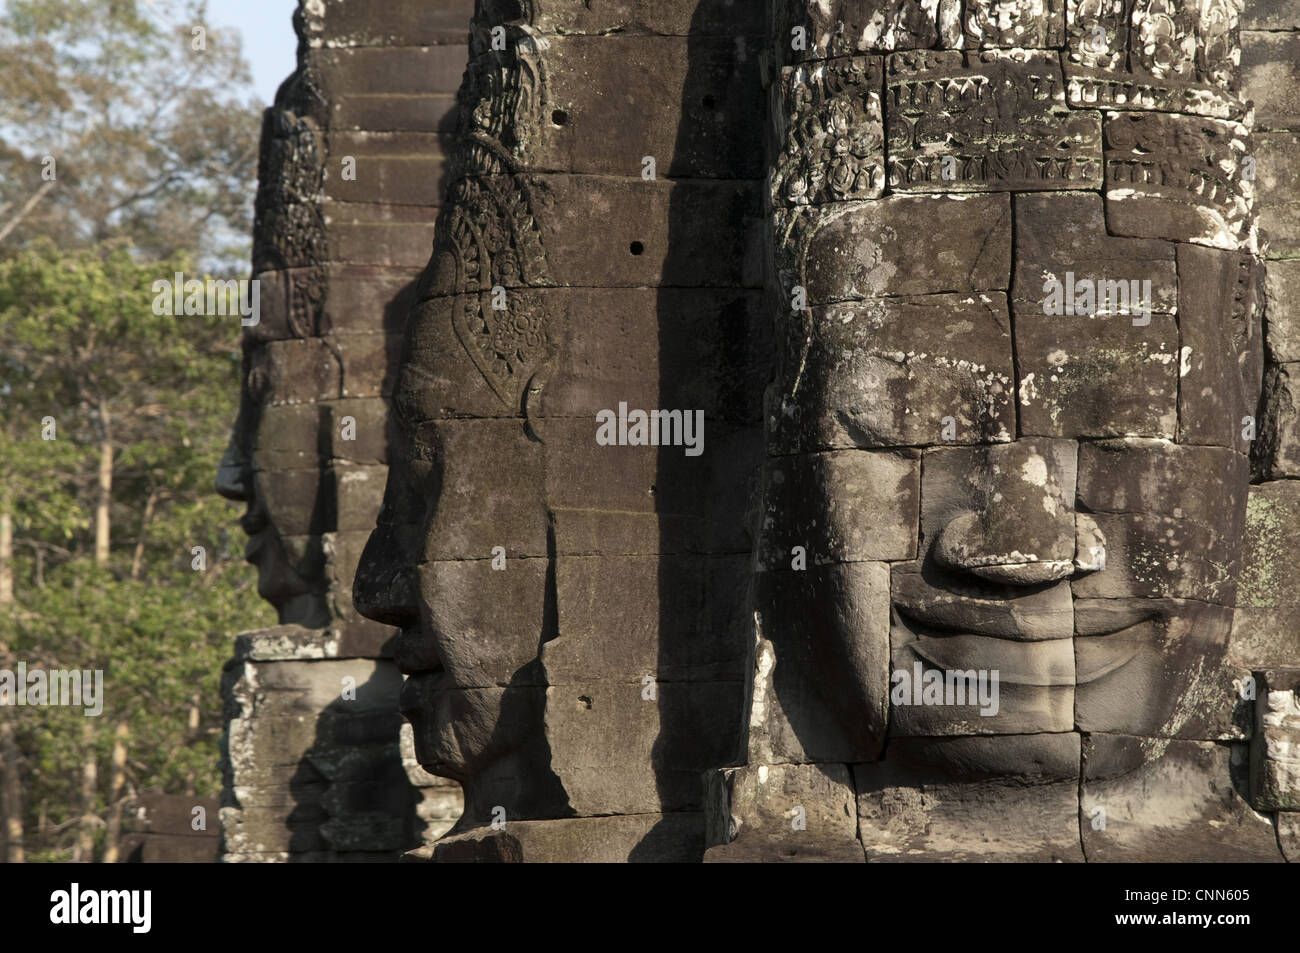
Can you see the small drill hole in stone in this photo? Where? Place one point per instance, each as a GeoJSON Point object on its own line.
{"type": "Point", "coordinates": [559, 117]}
{"type": "Point", "coordinates": [709, 102]}
{"type": "Point", "coordinates": [636, 248]}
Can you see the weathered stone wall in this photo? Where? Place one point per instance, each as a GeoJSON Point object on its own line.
{"type": "Point", "coordinates": [169, 829]}
{"type": "Point", "coordinates": [351, 180]}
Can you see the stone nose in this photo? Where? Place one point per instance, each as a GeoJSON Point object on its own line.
{"type": "Point", "coordinates": [383, 588]}
{"type": "Point", "coordinates": [234, 475]}
{"type": "Point", "coordinates": [1017, 524]}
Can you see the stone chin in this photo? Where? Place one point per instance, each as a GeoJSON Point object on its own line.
{"type": "Point", "coordinates": [279, 582]}
{"type": "Point", "coordinates": [488, 739]}
{"type": "Point", "coordinates": [454, 729]}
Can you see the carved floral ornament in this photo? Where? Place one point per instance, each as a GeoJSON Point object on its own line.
{"type": "Point", "coordinates": [490, 236]}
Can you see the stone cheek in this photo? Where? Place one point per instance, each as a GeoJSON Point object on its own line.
{"type": "Point", "coordinates": [845, 506]}
{"type": "Point", "coordinates": [1173, 517]}
{"type": "Point", "coordinates": [477, 647]}
{"type": "Point", "coordinates": [870, 249]}
{"type": "Point", "coordinates": [478, 515]}
{"type": "Point", "coordinates": [1123, 647]}
{"type": "Point", "coordinates": [822, 672]}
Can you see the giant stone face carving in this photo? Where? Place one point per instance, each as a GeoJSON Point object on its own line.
{"type": "Point", "coordinates": [1008, 441]}
{"type": "Point", "coordinates": [271, 461]}
{"type": "Point", "coordinates": [570, 611]}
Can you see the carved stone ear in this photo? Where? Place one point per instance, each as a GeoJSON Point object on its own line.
{"type": "Point", "coordinates": [532, 401]}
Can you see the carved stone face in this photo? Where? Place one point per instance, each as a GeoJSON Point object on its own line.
{"type": "Point", "coordinates": [470, 632]}
{"type": "Point", "coordinates": [546, 581]}
{"type": "Point", "coordinates": [459, 559]}
{"type": "Point", "coordinates": [989, 471]}
{"type": "Point", "coordinates": [522, 559]}
{"type": "Point", "coordinates": [272, 464]}
{"type": "Point", "coordinates": [1091, 561]}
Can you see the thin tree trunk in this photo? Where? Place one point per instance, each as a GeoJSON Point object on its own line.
{"type": "Point", "coordinates": [105, 487]}
{"type": "Point", "coordinates": [84, 851]}
{"type": "Point", "coordinates": [23, 212]}
{"type": "Point", "coordinates": [113, 838]}
{"type": "Point", "coordinates": [11, 794]}
{"type": "Point", "coordinates": [6, 555]}
{"type": "Point", "coordinates": [137, 560]}
{"type": "Point", "coordinates": [194, 721]}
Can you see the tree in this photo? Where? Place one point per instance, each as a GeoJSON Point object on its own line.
{"type": "Point", "coordinates": [117, 123]}
{"type": "Point", "coordinates": [146, 397]}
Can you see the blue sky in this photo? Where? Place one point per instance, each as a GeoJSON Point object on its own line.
{"type": "Point", "coordinates": [268, 39]}
{"type": "Point", "coordinates": [266, 30]}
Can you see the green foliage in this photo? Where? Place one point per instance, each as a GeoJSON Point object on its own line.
{"type": "Point", "coordinates": [161, 643]}
{"type": "Point", "coordinates": [81, 345]}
